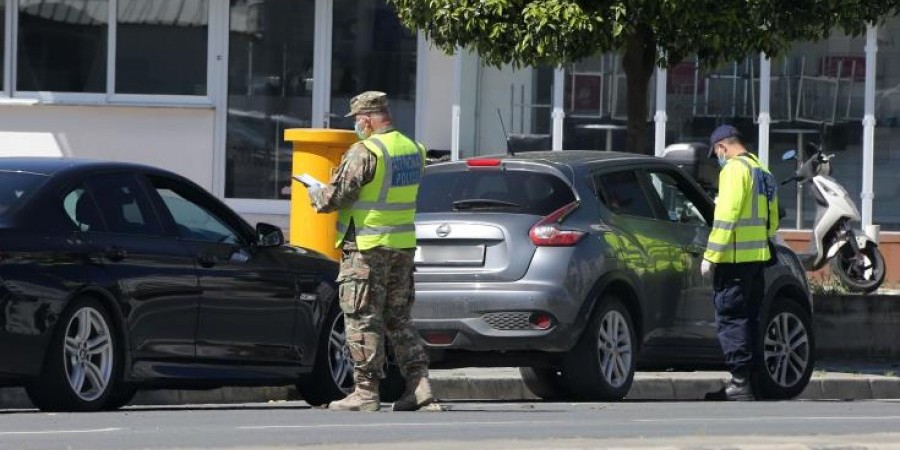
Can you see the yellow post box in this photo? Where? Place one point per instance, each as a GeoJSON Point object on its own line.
{"type": "Point", "coordinates": [316, 152]}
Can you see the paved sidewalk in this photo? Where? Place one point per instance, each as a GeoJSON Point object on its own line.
{"type": "Point", "coordinates": [506, 384]}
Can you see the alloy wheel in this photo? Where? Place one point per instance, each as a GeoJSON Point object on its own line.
{"type": "Point", "coordinates": [786, 349]}
{"type": "Point", "coordinates": [614, 345]}
{"type": "Point", "coordinates": [88, 354]}
{"type": "Point", "coordinates": [339, 360]}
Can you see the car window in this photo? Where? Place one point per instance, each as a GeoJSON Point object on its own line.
{"type": "Point", "coordinates": [672, 192]}
{"type": "Point", "coordinates": [508, 191]}
{"type": "Point", "coordinates": [15, 188]}
{"type": "Point", "coordinates": [82, 211]}
{"type": "Point", "coordinates": [193, 220]}
{"type": "Point", "coordinates": [622, 193]}
{"type": "Point", "coordinates": [123, 205]}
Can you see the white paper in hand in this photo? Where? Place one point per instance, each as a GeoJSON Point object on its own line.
{"type": "Point", "coordinates": [308, 180]}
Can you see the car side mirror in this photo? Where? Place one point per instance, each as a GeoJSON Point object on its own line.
{"type": "Point", "coordinates": [268, 235]}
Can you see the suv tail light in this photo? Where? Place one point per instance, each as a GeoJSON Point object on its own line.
{"type": "Point", "coordinates": [548, 233]}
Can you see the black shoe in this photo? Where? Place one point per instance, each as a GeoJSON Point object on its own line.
{"type": "Point", "coordinates": [739, 389]}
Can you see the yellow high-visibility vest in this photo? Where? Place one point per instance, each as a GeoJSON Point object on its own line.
{"type": "Point", "coordinates": [384, 213]}
{"type": "Point", "coordinates": [746, 213]}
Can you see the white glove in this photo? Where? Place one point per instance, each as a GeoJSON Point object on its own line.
{"type": "Point", "coordinates": [706, 268]}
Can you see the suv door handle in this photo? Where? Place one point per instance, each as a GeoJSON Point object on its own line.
{"type": "Point", "coordinates": [694, 249]}
{"type": "Point", "coordinates": [206, 261]}
{"type": "Point", "coordinates": [115, 254]}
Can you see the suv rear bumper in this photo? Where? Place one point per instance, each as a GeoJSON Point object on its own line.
{"type": "Point", "coordinates": [494, 316]}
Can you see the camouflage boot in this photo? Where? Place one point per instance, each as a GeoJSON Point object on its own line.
{"type": "Point", "coordinates": [364, 398]}
{"type": "Point", "coordinates": [417, 395]}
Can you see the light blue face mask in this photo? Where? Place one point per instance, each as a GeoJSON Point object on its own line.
{"type": "Point", "coordinates": [722, 160]}
{"type": "Point", "coordinates": [360, 131]}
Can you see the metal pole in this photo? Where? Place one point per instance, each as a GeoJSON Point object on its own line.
{"type": "Point", "coordinates": [659, 144]}
{"type": "Point", "coordinates": [868, 193]}
{"type": "Point", "coordinates": [558, 115]}
{"type": "Point", "coordinates": [455, 109]}
{"type": "Point", "coordinates": [765, 118]}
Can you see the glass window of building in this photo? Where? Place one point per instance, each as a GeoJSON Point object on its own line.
{"type": "Point", "coordinates": [507, 102]}
{"type": "Point", "coordinates": [61, 46]}
{"type": "Point", "coordinates": [371, 50]}
{"type": "Point", "coordinates": [270, 67]}
{"type": "Point", "coordinates": [698, 99]}
{"type": "Point", "coordinates": [596, 105]}
{"type": "Point", "coordinates": [886, 205]}
{"type": "Point", "coordinates": [154, 37]}
{"type": "Point", "coordinates": [817, 97]}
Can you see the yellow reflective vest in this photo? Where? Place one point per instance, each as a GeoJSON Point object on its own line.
{"type": "Point", "coordinates": [746, 213]}
{"type": "Point", "coordinates": [384, 213]}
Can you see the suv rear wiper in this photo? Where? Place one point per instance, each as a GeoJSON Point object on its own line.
{"type": "Point", "coordinates": [483, 203]}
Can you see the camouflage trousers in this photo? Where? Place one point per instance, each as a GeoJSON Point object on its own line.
{"type": "Point", "coordinates": [376, 295]}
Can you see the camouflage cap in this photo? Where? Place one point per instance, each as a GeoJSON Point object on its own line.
{"type": "Point", "coordinates": [368, 102]}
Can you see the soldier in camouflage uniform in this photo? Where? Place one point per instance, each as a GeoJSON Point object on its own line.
{"type": "Point", "coordinates": [376, 274]}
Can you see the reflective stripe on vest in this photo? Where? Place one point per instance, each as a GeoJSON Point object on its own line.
{"type": "Point", "coordinates": [746, 239]}
{"type": "Point", "coordinates": [384, 213]}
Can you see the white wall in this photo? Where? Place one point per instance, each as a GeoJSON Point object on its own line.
{"type": "Point", "coordinates": [177, 139]}
{"type": "Point", "coordinates": [437, 89]}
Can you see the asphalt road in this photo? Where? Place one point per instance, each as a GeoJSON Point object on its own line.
{"type": "Point", "coordinates": [464, 425]}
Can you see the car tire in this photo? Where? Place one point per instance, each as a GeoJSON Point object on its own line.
{"type": "Point", "coordinates": [601, 366]}
{"type": "Point", "coordinates": [787, 348]}
{"type": "Point", "coordinates": [83, 363]}
{"type": "Point", "coordinates": [546, 383]}
{"type": "Point", "coordinates": [121, 396]}
{"type": "Point", "coordinates": [332, 376]}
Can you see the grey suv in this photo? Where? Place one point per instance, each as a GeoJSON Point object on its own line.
{"type": "Point", "coordinates": [581, 267]}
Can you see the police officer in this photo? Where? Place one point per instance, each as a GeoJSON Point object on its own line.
{"type": "Point", "coordinates": [374, 191]}
{"type": "Point", "coordinates": [738, 248]}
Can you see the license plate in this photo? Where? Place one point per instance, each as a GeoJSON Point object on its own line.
{"type": "Point", "coordinates": [450, 255]}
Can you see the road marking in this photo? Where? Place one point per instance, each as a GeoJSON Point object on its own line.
{"type": "Point", "coordinates": [760, 419]}
{"type": "Point", "coordinates": [400, 424]}
{"type": "Point", "coordinates": [97, 430]}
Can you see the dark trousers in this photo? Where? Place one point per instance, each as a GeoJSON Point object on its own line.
{"type": "Point", "coordinates": [738, 294]}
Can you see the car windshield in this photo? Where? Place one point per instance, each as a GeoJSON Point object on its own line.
{"type": "Point", "coordinates": [508, 191]}
{"type": "Point", "coordinates": [15, 188]}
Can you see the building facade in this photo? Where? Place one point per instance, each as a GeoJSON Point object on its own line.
{"type": "Point", "coordinates": [206, 88]}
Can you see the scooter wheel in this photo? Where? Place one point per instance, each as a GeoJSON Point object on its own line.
{"type": "Point", "coordinates": [860, 274]}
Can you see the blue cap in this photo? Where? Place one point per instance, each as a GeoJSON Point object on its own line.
{"type": "Point", "coordinates": [721, 132]}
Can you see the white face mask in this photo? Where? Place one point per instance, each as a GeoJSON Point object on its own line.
{"type": "Point", "coordinates": [360, 130]}
{"type": "Point", "coordinates": [722, 160]}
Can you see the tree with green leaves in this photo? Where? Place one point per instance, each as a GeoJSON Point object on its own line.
{"type": "Point", "coordinates": [648, 33]}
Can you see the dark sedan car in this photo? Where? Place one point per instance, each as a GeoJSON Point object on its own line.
{"type": "Point", "coordinates": [118, 276]}
{"type": "Point", "coordinates": [581, 267]}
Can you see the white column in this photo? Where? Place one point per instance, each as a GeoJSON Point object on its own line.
{"type": "Point", "coordinates": [217, 89]}
{"type": "Point", "coordinates": [868, 168]}
{"type": "Point", "coordinates": [422, 87]}
{"type": "Point", "coordinates": [455, 109]}
{"type": "Point", "coordinates": [660, 118]}
{"type": "Point", "coordinates": [765, 118]}
{"type": "Point", "coordinates": [558, 115]}
{"type": "Point", "coordinates": [321, 98]}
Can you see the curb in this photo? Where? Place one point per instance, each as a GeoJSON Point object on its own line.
{"type": "Point", "coordinates": [655, 386]}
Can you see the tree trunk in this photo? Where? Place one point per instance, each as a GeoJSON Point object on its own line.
{"type": "Point", "coordinates": [639, 62]}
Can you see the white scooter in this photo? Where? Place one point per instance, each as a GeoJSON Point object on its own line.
{"type": "Point", "coordinates": [855, 259]}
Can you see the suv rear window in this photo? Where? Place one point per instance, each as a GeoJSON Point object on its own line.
{"type": "Point", "coordinates": [509, 191]}
{"type": "Point", "coordinates": [15, 188]}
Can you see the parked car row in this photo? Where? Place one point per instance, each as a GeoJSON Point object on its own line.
{"type": "Point", "coordinates": [578, 267]}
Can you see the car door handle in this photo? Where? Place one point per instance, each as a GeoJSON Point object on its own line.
{"type": "Point", "coordinates": [115, 254]}
{"type": "Point", "coordinates": [206, 261]}
{"type": "Point", "coordinates": [694, 249]}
